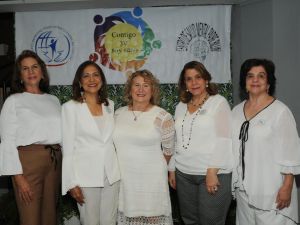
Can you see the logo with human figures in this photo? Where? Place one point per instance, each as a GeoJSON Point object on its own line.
{"type": "Point", "coordinates": [199, 39]}
{"type": "Point", "coordinates": [123, 41]}
{"type": "Point", "coordinates": [54, 45]}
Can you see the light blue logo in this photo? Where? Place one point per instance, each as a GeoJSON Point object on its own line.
{"type": "Point", "coordinates": [54, 45]}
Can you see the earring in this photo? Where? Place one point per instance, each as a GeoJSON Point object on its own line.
{"type": "Point", "coordinates": [21, 81]}
{"type": "Point", "coordinates": [81, 92]}
{"type": "Point", "coordinates": [187, 90]}
{"type": "Point", "coordinates": [206, 85]}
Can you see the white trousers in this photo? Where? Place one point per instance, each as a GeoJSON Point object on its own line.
{"type": "Point", "coordinates": [249, 215]}
{"type": "Point", "coordinates": [101, 204]}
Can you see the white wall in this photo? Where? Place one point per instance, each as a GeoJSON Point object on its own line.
{"type": "Point", "coordinates": [286, 53]}
{"type": "Point", "coordinates": [269, 29]}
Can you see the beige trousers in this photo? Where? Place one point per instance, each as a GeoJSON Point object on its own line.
{"type": "Point", "coordinates": [101, 204]}
{"type": "Point", "coordinates": [42, 169]}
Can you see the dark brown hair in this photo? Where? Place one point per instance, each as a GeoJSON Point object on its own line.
{"type": "Point", "coordinates": [17, 86]}
{"type": "Point", "coordinates": [185, 96]}
{"type": "Point", "coordinates": [77, 89]}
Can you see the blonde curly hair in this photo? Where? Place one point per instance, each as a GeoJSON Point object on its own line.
{"type": "Point", "coordinates": [149, 77]}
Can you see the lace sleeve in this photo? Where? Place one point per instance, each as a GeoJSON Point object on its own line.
{"type": "Point", "coordinates": [165, 123]}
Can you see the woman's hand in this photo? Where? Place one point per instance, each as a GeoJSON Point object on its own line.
{"type": "Point", "coordinates": [77, 194]}
{"type": "Point", "coordinates": [172, 179]}
{"type": "Point", "coordinates": [23, 188]}
{"type": "Point", "coordinates": [212, 181]}
{"type": "Point", "coordinates": [283, 198]}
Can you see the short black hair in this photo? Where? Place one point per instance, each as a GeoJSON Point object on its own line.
{"type": "Point", "coordinates": [269, 67]}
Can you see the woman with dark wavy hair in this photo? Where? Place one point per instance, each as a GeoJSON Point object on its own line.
{"type": "Point", "coordinates": [266, 149]}
{"type": "Point", "coordinates": [30, 124]}
{"type": "Point", "coordinates": [90, 169]}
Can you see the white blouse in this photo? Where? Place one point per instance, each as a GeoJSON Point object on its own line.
{"type": "Point", "coordinates": [27, 119]}
{"type": "Point", "coordinates": [272, 150]}
{"type": "Point", "coordinates": [203, 139]}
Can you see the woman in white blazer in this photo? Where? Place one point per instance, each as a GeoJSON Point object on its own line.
{"type": "Point", "coordinates": [90, 170]}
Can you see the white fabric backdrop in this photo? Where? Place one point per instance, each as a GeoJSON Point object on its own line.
{"type": "Point", "coordinates": [159, 39]}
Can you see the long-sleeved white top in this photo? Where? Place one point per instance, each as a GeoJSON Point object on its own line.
{"type": "Point", "coordinates": [272, 150]}
{"type": "Point", "coordinates": [27, 119]}
{"type": "Point", "coordinates": [88, 150]}
{"type": "Point", "coordinates": [210, 144]}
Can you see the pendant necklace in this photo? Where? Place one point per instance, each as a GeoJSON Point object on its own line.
{"type": "Point", "coordinates": [185, 146]}
{"type": "Point", "coordinates": [136, 116]}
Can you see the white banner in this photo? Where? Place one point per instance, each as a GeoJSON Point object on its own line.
{"type": "Point", "coordinates": [122, 41]}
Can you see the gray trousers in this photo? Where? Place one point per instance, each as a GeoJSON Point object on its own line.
{"type": "Point", "coordinates": [197, 206]}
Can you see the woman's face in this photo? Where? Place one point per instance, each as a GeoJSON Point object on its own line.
{"type": "Point", "coordinates": [141, 90]}
{"type": "Point", "coordinates": [31, 73]}
{"type": "Point", "coordinates": [91, 81]}
{"type": "Point", "coordinates": [194, 82]}
{"type": "Point", "coordinates": [257, 81]}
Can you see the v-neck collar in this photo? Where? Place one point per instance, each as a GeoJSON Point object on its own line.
{"type": "Point", "coordinates": [258, 111]}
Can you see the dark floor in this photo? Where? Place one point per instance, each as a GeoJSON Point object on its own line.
{"type": "Point", "coordinates": [8, 209]}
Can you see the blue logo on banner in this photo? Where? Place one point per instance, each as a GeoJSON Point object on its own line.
{"type": "Point", "coordinates": [54, 45]}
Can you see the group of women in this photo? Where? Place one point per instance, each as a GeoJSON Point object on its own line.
{"type": "Point", "coordinates": [117, 164]}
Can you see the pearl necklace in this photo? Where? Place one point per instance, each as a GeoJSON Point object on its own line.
{"type": "Point", "coordinates": [185, 146]}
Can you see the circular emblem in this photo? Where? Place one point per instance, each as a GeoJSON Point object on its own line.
{"type": "Point", "coordinates": [54, 45]}
{"type": "Point", "coordinates": [123, 41]}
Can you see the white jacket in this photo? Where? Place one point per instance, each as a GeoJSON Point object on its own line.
{"type": "Point", "coordinates": [88, 153]}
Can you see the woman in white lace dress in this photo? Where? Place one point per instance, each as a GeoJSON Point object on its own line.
{"type": "Point", "coordinates": [144, 139]}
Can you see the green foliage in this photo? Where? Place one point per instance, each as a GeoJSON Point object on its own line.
{"type": "Point", "coordinates": [168, 94]}
{"type": "Point", "coordinates": [67, 209]}
{"type": "Point", "coordinates": [64, 93]}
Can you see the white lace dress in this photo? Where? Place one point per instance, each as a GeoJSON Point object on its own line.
{"type": "Point", "coordinates": [141, 144]}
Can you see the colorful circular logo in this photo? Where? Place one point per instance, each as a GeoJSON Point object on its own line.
{"type": "Point", "coordinates": [123, 41]}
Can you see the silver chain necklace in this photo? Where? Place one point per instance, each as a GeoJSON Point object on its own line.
{"type": "Point", "coordinates": [185, 146]}
{"type": "Point", "coordinates": [135, 117]}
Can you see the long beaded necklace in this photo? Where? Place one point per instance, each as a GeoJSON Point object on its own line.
{"type": "Point", "coordinates": [185, 146]}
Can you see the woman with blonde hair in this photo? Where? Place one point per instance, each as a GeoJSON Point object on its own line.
{"type": "Point", "coordinates": [144, 139]}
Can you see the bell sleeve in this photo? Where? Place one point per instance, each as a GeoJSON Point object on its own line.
{"type": "Point", "coordinates": [221, 156]}
{"type": "Point", "coordinates": [9, 157]}
{"type": "Point", "coordinates": [287, 155]}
